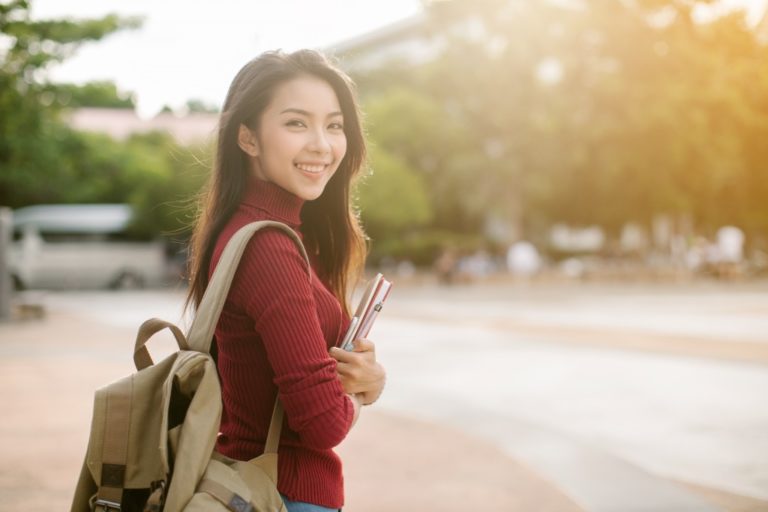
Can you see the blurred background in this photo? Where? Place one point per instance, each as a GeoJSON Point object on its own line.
{"type": "Point", "coordinates": [571, 197]}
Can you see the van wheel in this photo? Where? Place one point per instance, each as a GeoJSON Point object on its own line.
{"type": "Point", "coordinates": [128, 281]}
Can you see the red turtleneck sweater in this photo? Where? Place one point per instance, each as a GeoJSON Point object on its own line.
{"type": "Point", "coordinates": [273, 338]}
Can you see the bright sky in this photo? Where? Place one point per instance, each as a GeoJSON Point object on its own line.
{"type": "Point", "coordinates": [189, 49]}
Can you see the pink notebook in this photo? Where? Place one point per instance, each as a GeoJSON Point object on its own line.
{"type": "Point", "coordinates": [367, 310]}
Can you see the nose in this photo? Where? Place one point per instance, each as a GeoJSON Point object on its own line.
{"type": "Point", "coordinates": [319, 142]}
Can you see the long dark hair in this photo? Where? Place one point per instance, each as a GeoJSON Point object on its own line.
{"type": "Point", "coordinates": [329, 223]}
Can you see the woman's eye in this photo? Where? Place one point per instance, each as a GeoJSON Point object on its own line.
{"type": "Point", "coordinates": [336, 126]}
{"type": "Point", "coordinates": [295, 122]}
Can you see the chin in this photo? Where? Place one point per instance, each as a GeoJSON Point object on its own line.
{"type": "Point", "coordinates": [311, 196]}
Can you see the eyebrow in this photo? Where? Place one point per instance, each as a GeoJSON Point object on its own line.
{"type": "Point", "coordinates": [305, 113]}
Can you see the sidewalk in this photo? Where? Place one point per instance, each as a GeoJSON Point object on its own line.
{"type": "Point", "coordinates": [49, 369]}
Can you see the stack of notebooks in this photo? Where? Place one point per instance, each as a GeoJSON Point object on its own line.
{"type": "Point", "coordinates": [367, 310]}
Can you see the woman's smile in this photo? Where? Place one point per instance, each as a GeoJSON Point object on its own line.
{"type": "Point", "coordinates": [312, 168]}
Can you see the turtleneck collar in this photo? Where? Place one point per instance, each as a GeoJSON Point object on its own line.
{"type": "Point", "coordinates": [277, 202]}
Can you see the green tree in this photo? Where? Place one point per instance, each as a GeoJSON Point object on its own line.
{"type": "Point", "coordinates": [150, 171]}
{"type": "Point", "coordinates": [93, 94]}
{"type": "Point", "coordinates": [195, 105]}
{"type": "Point", "coordinates": [164, 182]}
{"type": "Point", "coordinates": [604, 113]}
{"type": "Point", "coordinates": [393, 199]}
{"type": "Point", "coordinates": [42, 160]}
{"type": "Point", "coordinates": [412, 128]}
{"type": "Point", "coordinates": [32, 139]}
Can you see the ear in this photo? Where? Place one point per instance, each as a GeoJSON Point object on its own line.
{"type": "Point", "coordinates": [247, 141]}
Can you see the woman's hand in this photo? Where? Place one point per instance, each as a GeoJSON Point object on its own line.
{"type": "Point", "coordinates": [359, 372]}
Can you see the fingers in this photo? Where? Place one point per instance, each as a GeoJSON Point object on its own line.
{"type": "Point", "coordinates": [342, 356]}
{"type": "Point", "coordinates": [368, 384]}
{"type": "Point", "coordinates": [363, 345]}
{"type": "Point", "coordinates": [345, 370]}
{"type": "Point", "coordinates": [369, 376]}
{"type": "Point", "coordinates": [355, 372]}
{"type": "Point", "coordinates": [363, 352]}
{"type": "Point", "coordinates": [351, 378]}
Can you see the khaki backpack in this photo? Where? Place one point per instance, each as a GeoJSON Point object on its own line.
{"type": "Point", "coordinates": [151, 446]}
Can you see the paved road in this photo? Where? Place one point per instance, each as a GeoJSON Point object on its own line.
{"type": "Point", "coordinates": [501, 363]}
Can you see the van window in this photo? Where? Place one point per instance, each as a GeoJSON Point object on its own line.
{"type": "Point", "coordinates": [127, 236]}
{"type": "Point", "coordinates": [53, 237]}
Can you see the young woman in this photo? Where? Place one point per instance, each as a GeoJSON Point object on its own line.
{"type": "Point", "coordinates": [290, 142]}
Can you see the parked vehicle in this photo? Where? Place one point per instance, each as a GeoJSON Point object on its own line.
{"type": "Point", "coordinates": [82, 246]}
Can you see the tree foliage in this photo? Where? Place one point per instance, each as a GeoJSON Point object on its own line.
{"type": "Point", "coordinates": [598, 112]}
{"type": "Point", "coordinates": [36, 148]}
{"type": "Point", "coordinates": [99, 94]}
{"type": "Point", "coordinates": [393, 198]}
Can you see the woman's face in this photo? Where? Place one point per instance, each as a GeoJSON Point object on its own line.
{"type": "Point", "coordinates": [300, 139]}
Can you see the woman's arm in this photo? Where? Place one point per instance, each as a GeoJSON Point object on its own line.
{"type": "Point", "coordinates": [274, 289]}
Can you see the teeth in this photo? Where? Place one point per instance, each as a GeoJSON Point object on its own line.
{"type": "Point", "coordinates": [311, 168]}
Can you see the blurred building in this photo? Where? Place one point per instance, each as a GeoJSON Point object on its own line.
{"type": "Point", "coordinates": [408, 40]}
{"type": "Point", "coordinates": [195, 127]}
{"type": "Point", "coordinates": [413, 40]}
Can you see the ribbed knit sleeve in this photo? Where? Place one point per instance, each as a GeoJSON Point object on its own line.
{"type": "Point", "coordinates": [272, 285]}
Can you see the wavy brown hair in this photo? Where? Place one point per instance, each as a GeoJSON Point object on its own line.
{"type": "Point", "coordinates": [330, 226]}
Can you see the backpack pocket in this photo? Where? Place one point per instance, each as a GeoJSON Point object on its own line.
{"type": "Point", "coordinates": [237, 486]}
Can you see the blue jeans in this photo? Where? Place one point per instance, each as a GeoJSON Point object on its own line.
{"type": "Point", "coordinates": [300, 506]}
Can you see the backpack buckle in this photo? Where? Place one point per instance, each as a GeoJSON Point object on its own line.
{"type": "Point", "coordinates": [107, 506]}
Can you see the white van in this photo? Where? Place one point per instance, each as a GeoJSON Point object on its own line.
{"type": "Point", "coordinates": [82, 246]}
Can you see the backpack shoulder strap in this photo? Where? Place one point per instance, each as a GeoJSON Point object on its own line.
{"type": "Point", "coordinates": [207, 315]}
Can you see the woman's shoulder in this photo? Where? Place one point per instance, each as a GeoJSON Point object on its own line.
{"type": "Point", "coordinates": [269, 246]}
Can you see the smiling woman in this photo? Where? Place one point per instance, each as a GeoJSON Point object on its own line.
{"type": "Point", "coordinates": [289, 144]}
